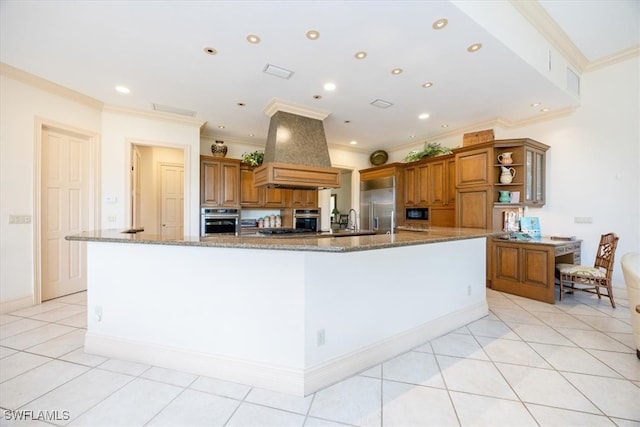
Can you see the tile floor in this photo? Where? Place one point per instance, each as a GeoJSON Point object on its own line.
{"type": "Point", "coordinates": [525, 364]}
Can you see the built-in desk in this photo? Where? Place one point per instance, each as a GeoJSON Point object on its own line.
{"type": "Point", "coordinates": [527, 268]}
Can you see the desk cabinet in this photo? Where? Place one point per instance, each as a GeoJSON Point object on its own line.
{"type": "Point", "coordinates": [528, 268]}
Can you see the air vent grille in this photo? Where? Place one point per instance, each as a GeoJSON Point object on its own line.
{"type": "Point", "coordinates": [274, 70]}
{"type": "Point", "coordinates": [381, 103]}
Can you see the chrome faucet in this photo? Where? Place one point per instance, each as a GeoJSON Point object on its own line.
{"type": "Point", "coordinates": [352, 224]}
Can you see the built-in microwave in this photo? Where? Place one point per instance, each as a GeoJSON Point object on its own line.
{"type": "Point", "coordinates": [417, 214]}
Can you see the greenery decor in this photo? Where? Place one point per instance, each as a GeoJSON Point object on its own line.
{"type": "Point", "coordinates": [430, 149]}
{"type": "Point", "coordinates": [253, 159]}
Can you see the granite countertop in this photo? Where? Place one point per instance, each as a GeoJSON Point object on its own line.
{"type": "Point", "coordinates": [316, 243]}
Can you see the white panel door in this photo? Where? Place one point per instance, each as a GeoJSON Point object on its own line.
{"type": "Point", "coordinates": [172, 199]}
{"type": "Point", "coordinates": [65, 210]}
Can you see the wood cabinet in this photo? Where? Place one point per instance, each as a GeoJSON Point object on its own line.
{"type": "Point", "coordinates": [473, 207]}
{"type": "Point", "coordinates": [528, 162]}
{"type": "Point", "coordinates": [300, 198]}
{"type": "Point", "coordinates": [528, 268]}
{"type": "Point", "coordinates": [416, 185]}
{"type": "Point", "coordinates": [473, 167]}
{"type": "Point", "coordinates": [219, 182]}
{"type": "Point", "coordinates": [255, 197]}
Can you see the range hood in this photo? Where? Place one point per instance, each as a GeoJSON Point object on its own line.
{"type": "Point", "coordinates": [296, 154]}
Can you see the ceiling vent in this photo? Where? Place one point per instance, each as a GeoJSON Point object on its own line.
{"type": "Point", "coordinates": [174, 110]}
{"type": "Point", "coordinates": [381, 104]}
{"type": "Point", "coordinates": [274, 70]}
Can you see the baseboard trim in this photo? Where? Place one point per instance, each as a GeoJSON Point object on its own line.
{"type": "Point", "coordinates": [337, 369]}
{"type": "Point", "coordinates": [300, 382]}
{"type": "Point", "coordinates": [256, 374]}
{"type": "Point", "coordinates": [9, 306]}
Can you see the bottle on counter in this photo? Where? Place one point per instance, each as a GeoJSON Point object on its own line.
{"type": "Point", "coordinates": [278, 221]}
{"type": "Point", "coordinates": [267, 224]}
{"type": "Point", "coordinates": [260, 223]}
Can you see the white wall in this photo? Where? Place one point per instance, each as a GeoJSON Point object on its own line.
{"type": "Point", "coordinates": [120, 130]}
{"type": "Point", "coordinates": [20, 106]}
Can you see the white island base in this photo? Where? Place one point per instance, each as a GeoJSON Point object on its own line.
{"type": "Point", "coordinates": [288, 321]}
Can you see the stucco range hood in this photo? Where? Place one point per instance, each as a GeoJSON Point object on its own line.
{"type": "Point", "coordinates": [296, 154]}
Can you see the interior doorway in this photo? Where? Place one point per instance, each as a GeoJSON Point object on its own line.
{"type": "Point", "coordinates": [157, 190]}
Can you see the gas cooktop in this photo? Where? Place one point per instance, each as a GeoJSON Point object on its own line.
{"type": "Point", "coordinates": [285, 231]}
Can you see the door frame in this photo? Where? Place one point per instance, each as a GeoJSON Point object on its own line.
{"type": "Point", "coordinates": [93, 149]}
{"type": "Point", "coordinates": [186, 163]}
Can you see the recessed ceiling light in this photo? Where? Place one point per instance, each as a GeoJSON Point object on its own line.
{"type": "Point", "coordinates": [220, 126]}
{"type": "Point", "coordinates": [241, 104]}
{"type": "Point", "coordinates": [396, 71]}
{"type": "Point", "coordinates": [253, 39]}
{"type": "Point", "coordinates": [412, 136]}
{"type": "Point", "coordinates": [329, 86]}
{"type": "Point", "coordinates": [353, 142]}
{"type": "Point", "coordinates": [251, 134]}
{"type": "Point", "coordinates": [423, 116]}
{"type": "Point", "coordinates": [427, 85]}
{"type": "Point", "coordinates": [317, 96]}
{"type": "Point", "coordinates": [210, 51]}
{"type": "Point", "coordinates": [474, 47]}
{"type": "Point", "coordinates": [313, 35]}
{"type": "Point", "coordinates": [536, 104]}
{"type": "Point", "coordinates": [544, 110]}
{"type": "Point", "coordinates": [123, 89]}
{"type": "Point", "coordinates": [444, 126]}
{"type": "Point", "coordinates": [361, 55]}
{"type": "Point", "coordinates": [347, 121]}
{"type": "Point", "coordinates": [440, 24]}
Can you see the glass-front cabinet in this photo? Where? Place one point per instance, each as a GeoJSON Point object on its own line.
{"type": "Point", "coordinates": [519, 172]}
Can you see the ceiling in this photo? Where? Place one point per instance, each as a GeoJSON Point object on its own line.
{"type": "Point", "coordinates": [157, 50]}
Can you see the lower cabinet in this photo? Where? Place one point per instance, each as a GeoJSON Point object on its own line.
{"type": "Point", "coordinates": [524, 269]}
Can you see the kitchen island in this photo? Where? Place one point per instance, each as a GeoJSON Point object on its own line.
{"type": "Point", "coordinates": [288, 314]}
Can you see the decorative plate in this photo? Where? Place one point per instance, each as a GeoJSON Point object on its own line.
{"type": "Point", "coordinates": [379, 157]}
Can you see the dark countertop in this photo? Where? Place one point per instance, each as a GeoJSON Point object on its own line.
{"type": "Point", "coordinates": [297, 243]}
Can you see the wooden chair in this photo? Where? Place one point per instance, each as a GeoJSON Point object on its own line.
{"type": "Point", "coordinates": [591, 279]}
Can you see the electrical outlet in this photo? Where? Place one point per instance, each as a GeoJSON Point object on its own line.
{"type": "Point", "coordinates": [98, 313]}
{"type": "Point", "coordinates": [112, 218]}
{"type": "Point", "coordinates": [320, 337]}
{"type": "Point", "coordinates": [583, 220]}
{"type": "Point", "coordinates": [19, 219]}
{"type": "Point", "coordinates": [469, 290]}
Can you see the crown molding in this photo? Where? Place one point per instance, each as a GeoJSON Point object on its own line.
{"type": "Point", "coordinates": [154, 115]}
{"type": "Point", "coordinates": [613, 59]}
{"type": "Point", "coordinates": [276, 105]}
{"type": "Point", "coordinates": [533, 12]}
{"type": "Point", "coordinates": [48, 86]}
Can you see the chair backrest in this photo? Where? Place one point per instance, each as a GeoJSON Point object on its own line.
{"type": "Point", "coordinates": [606, 253]}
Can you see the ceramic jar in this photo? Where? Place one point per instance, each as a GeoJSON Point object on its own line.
{"type": "Point", "coordinates": [505, 197]}
{"type": "Point", "coordinates": [507, 175]}
{"type": "Point", "coordinates": [218, 149]}
{"type": "Point", "coordinates": [505, 158]}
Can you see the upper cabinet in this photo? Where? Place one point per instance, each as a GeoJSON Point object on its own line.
{"type": "Point", "coordinates": [474, 167]}
{"type": "Point", "coordinates": [255, 197]}
{"type": "Point", "coordinates": [219, 182]}
{"type": "Point", "coordinates": [520, 172]}
{"type": "Point", "coordinates": [303, 199]}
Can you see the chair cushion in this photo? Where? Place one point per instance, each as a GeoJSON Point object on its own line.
{"type": "Point", "coordinates": [580, 270]}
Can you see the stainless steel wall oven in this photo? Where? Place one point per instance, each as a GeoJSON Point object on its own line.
{"type": "Point", "coordinates": [306, 219]}
{"type": "Point", "coordinates": [214, 222]}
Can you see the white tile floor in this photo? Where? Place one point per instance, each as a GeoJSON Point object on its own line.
{"type": "Point", "coordinates": [527, 363]}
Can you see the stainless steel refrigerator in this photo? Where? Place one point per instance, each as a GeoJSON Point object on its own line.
{"type": "Point", "coordinates": [377, 204]}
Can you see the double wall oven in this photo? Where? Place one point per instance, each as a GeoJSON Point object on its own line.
{"type": "Point", "coordinates": [216, 221]}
